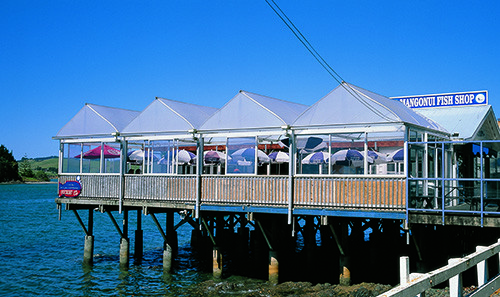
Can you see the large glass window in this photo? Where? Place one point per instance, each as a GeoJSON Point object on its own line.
{"type": "Point", "coordinates": [71, 159]}
{"type": "Point", "coordinates": [161, 157]}
{"type": "Point", "coordinates": [137, 157]}
{"type": "Point", "coordinates": [313, 154]}
{"type": "Point", "coordinates": [91, 158]}
{"type": "Point", "coordinates": [185, 157]}
{"type": "Point", "coordinates": [348, 156]}
{"type": "Point", "coordinates": [111, 157]}
{"type": "Point", "coordinates": [242, 156]}
{"type": "Point", "coordinates": [91, 162]}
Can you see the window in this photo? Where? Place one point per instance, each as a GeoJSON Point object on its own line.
{"type": "Point", "coordinates": [242, 156]}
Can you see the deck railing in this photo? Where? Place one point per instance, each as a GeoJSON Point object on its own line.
{"type": "Point", "coordinates": [309, 191]}
{"type": "Point", "coordinates": [156, 187]}
{"type": "Point", "coordinates": [417, 283]}
{"type": "Point", "coordinates": [352, 192]}
{"type": "Point", "coordinates": [96, 185]}
{"type": "Point", "coordinates": [268, 190]}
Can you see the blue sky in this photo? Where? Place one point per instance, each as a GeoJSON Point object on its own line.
{"type": "Point", "coordinates": [55, 56]}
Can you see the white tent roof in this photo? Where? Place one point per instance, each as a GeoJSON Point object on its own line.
{"type": "Point", "coordinates": [96, 120]}
{"type": "Point", "coordinates": [252, 111]}
{"type": "Point", "coordinates": [471, 122]}
{"type": "Point", "coordinates": [351, 105]}
{"type": "Point", "coordinates": [169, 116]}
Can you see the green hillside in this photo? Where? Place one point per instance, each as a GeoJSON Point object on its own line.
{"type": "Point", "coordinates": [45, 163]}
{"type": "Point", "coordinates": [38, 169]}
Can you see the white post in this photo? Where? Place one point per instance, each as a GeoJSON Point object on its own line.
{"type": "Point", "coordinates": [404, 270]}
{"type": "Point", "coordinates": [425, 166]}
{"type": "Point", "coordinates": [292, 151]}
{"type": "Point", "coordinates": [199, 172]}
{"type": "Point", "coordinates": [482, 269]}
{"type": "Point", "coordinates": [456, 289]}
{"type": "Point", "coordinates": [365, 155]}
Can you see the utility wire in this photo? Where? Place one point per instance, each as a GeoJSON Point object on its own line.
{"type": "Point", "coordinates": [281, 14]}
{"type": "Point", "coordinates": [304, 41]}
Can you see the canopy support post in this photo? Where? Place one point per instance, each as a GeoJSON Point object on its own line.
{"type": "Point", "coordinates": [365, 155]}
{"type": "Point", "coordinates": [123, 167]}
{"type": "Point", "coordinates": [291, 172]}
{"type": "Point", "coordinates": [199, 172]}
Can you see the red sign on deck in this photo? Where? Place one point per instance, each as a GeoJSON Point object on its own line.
{"type": "Point", "coordinates": [70, 189]}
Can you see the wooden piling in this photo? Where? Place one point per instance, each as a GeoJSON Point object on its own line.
{"type": "Point", "coordinates": [124, 243]}
{"type": "Point", "coordinates": [139, 238]}
{"type": "Point", "coordinates": [167, 258]}
{"type": "Point", "coordinates": [345, 271]}
{"type": "Point", "coordinates": [217, 263]}
{"type": "Point", "coordinates": [170, 244]}
{"type": "Point", "coordinates": [88, 250]}
{"type": "Point", "coordinates": [124, 252]}
{"type": "Point", "coordinates": [273, 267]}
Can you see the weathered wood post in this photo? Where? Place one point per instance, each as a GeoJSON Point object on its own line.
{"type": "Point", "coordinates": [273, 267]}
{"type": "Point", "coordinates": [217, 263]}
{"type": "Point", "coordinates": [345, 272]}
{"type": "Point", "coordinates": [345, 259]}
{"type": "Point", "coordinates": [139, 238]}
{"type": "Point", "coordinates": [124, 243]}
{"type": "Point", "coordinates": [170, 242]}
{"type": "Point", "coordinates": [88, 249]}
{"type": "Point", "coordinates": [171, 233]}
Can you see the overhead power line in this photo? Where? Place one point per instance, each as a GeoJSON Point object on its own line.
{"type": "Point", "coordinates": [281, 14]}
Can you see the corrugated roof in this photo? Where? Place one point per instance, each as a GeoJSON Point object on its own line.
{"type": "Point", "coordinates": [251, 111]}
{"type": "Point", "coordinates": [466, 120]}
{"type": "Point", "coordinates": [351, 105]}
{"type": "Point", "coordinates": [167, 116]}
{"type": "Point", "coordinates": [97, 120]}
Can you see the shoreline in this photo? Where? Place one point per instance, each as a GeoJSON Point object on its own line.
{"type": "Point", "coordinates": [27, 183]}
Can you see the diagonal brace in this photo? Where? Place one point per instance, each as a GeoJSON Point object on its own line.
{"type": "Point", "coordinates": [81, 223]}
{"type": "Point", "coordinates": [115, 223]}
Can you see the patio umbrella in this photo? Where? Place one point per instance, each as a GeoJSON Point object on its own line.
{"type": "Point", "coordinates": [306, 145]}
{"type": "Point", "coordinates": [378, 157]}
{"type": "Point", "coordinates": [316, 158]}
{"type": "Point", "coordinates": [397, 155]}
{"type": "Point", "coordinates": [136, 157]}
{"type": "Point", "coordinates": [109, 152]}
{"type": "Point", "coordinates": [279, 157]}
{"type": "Point", "coordinates": [185, 157]}
{"type": "Point", "coordinates": [214, 157]}
{"type": "Point", "coordinates": [249, 154]}
{"type": "Point", "coordinates": [350, 157]}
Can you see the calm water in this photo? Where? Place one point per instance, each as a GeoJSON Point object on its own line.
{"type": "Point", "coordinates": [40, 255]}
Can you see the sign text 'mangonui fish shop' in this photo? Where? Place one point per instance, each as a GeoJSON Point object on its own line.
{"type": "Point", "coordinates": [445, 100]}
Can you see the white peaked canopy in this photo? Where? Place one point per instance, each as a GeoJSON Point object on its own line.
{"type": "Point", "coordinates": [351, 105]}
{"type": "Point", "coordinates": [252, 111]}
{"type": "Point", "coordinates": [169, 116]}
{"type": "Point", "coordinates": [96, 120]}
{"type": "Point", "coordinates": [470, 122]}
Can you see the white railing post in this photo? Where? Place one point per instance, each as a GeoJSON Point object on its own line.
{"type": "Point", "coordinates": [455, 281]}
{"type": "Point", "coordinates": [482, 268]}
{"type": "Point", "coordinates": [404, 270]}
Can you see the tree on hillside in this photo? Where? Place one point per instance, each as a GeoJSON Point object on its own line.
{"type": "Point", "coordinates": [8, 166]}
{"type": "Point", "coordinates": [25, 168]}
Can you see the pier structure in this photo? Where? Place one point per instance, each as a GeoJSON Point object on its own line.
{"type": "Point", "coordinates": [349, 182]}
